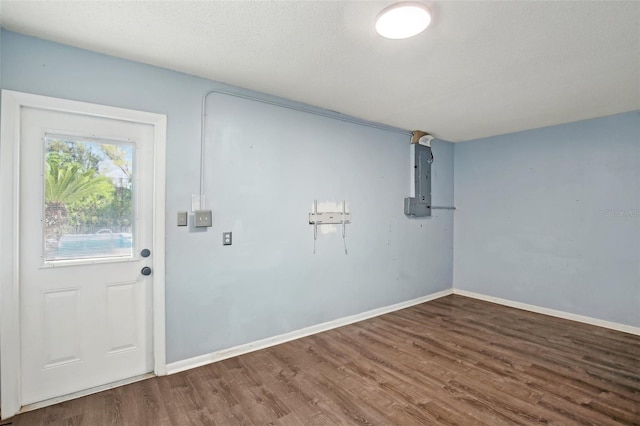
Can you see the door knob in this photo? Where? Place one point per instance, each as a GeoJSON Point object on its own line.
{"type": "Point", "coordinates": [146, 271]}
{"type": "Point", "coordinates": [145, 253]}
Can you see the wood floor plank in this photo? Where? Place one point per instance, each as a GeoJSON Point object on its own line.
{"type": "Point", "coordinates": [451, 361]}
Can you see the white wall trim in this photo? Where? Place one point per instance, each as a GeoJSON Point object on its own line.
{"type": "Point", "coordinates": [551, 312]}
{"type": "Point", "coordinates": [9, 229]}
{"type": "Point", "coordinates": [198, 361]}
{"type": "Point", "coordinates": [159, 211]}
{"type": "Point", "coordinates": [12, 103]}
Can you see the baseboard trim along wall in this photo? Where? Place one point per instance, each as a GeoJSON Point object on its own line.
{"type": "Point", "coordinates": [551, 312]}
{"type": "Point", "coordinates": [198, 361]}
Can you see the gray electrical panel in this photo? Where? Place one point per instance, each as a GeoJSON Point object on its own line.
{"type": "Point", "coordinates": [420, 204]}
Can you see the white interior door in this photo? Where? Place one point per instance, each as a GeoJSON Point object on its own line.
{"type": "Point", "coordinates": [86, 215]}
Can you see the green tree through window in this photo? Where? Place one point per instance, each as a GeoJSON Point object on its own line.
{"type": "Point", "coordinates": [88, 189]}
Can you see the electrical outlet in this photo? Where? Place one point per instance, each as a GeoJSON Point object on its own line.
{"type": "Point", "coordinates": [226, 238]}
{"type": "Point", "coordinates": [202, 218]}
{"type": "Point", "coordinates": [182, 218]}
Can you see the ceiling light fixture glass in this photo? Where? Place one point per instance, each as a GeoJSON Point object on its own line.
{"type": "Point", "coordinates": [403, 20]}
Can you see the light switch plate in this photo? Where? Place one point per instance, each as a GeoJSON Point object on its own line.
{"type": "Point", "coordinates": [182, 218]}
{"type": "Point", "coordinates": [226, 238]}
{"type": "Point", "coordinates": [202, 218]}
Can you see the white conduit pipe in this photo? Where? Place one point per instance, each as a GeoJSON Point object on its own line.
{"type": "Point", "coordinates": [301, 108]}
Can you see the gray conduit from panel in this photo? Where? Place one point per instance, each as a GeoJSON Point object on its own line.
{"type": "Point", "coordinates": [300, 108]}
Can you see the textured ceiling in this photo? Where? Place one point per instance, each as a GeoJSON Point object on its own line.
{"type": "Point", "coordinates": [481, 68]}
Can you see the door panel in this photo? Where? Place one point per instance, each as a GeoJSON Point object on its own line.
{"type": "Point", "coordinates": [122, 314]}
{"type": "Point", "coordinates": [85, 307]}
{"type": "Point", "coordinates": [61, 324]}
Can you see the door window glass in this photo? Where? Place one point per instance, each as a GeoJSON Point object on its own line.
{"type": "Point", "coordinates": [88, 202]}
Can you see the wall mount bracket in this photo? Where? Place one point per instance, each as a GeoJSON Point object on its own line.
{"type": "Point", "coordinates": [329, 218]}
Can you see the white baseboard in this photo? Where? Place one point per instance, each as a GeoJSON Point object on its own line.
{"type": "Point", "coordinates": [551, 312]}
{"type": "Point", "coordinates": [176, 367]}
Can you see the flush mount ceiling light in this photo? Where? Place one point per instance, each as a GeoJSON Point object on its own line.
{"type": "Point", "coordinates": [403, 20]}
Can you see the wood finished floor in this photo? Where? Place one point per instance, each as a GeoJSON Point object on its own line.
{"type": "Point", "coordinates": [454, 360]}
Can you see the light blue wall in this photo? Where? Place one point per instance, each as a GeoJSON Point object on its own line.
{"type": "Point", "coordinates": [264, 170]}
{"type": "Point", "coordinates": [551, 217]}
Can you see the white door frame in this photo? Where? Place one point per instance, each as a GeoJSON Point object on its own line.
{"type": "Point", "coordinates": [12, 103]}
